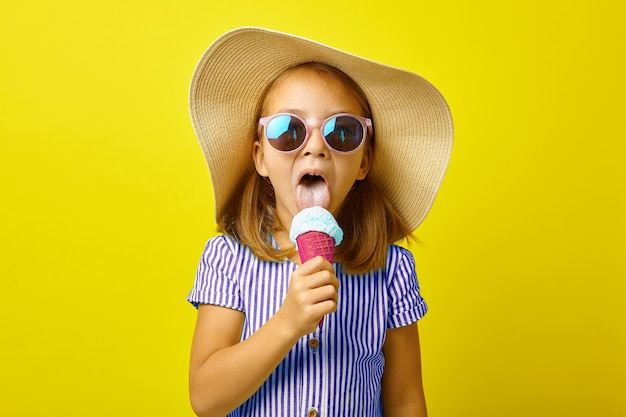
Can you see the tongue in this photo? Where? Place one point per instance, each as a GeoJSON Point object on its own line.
{"type": "Point", "coordinates": [311, 193]}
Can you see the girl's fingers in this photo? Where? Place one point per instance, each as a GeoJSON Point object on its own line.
{"type": "Point", "coordinates": [315, 273]}
{"type": "Point", "coordinates": [312, 294]}
{"type": "Point", "coordinates": [323, 293]}
{"type": "Point", "coordinates": [318, 263]}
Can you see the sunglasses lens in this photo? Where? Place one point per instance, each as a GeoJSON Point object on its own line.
{"type": "Point", "coordinates": [285, 132]}
{"type": "Point", "coordinates": [343, 133]}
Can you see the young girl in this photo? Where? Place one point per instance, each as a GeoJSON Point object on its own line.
{"type": "Point", "coordinates": [279, 116]}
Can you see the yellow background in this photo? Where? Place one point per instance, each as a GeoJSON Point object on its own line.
{"type": "Point", "coordinates": [106, 201]}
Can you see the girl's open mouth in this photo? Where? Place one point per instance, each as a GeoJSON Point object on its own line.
{"type": "Point", "coordinates": [312, 191]}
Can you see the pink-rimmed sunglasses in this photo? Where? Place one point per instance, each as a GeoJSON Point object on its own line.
{"type": "Point", "coordinates": [344, 133]}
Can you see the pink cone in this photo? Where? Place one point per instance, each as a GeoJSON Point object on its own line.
{"type": "Point", "coordinates": [312, 244]}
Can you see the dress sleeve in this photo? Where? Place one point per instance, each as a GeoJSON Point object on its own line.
{"type": "Point", "coordinates": [216, 280]}
{"type": "Point", "coordinates": [406, 305]}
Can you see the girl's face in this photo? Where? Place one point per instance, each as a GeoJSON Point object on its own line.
{"type": "Point", "coordinates": [309, 94]}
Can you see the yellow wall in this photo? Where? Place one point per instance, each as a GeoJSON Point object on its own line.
{"type": "Point", "coordinates": [106, 202]}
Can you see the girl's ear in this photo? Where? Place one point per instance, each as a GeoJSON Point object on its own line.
{"type": "Point", "coordinates": [366, 163]}
{"type": "Point", "coordinates": [259, 158]}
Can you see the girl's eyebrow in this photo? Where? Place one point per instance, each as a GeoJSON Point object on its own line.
{"type": "Point", "coordinates": [301, 113]}
{"type": "Point", "coordinates": [294, 111]}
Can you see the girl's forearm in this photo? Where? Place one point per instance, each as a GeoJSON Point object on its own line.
{"type": "Point", "coordinates": [231, 375]}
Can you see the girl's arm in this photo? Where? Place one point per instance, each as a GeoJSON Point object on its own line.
{"type": "Point", "coordinates": [225, 372]}
{"type": "Point", "coordinates": [403, 392]}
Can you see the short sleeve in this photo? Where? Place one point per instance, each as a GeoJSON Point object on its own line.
{"type": "Point", "coordinates": [216, 279]}
{"type": "Point", "coordinates": [406, 305]}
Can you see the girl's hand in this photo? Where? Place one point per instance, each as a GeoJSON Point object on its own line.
{"type": "Point", "coordinates": [311, 295]}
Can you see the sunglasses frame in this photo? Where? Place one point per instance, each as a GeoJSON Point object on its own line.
{"type": "Point", "coordinates": [366, 123]}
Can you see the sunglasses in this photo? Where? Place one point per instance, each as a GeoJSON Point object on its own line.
{"type": "Point", "coordinates": [344, 133]}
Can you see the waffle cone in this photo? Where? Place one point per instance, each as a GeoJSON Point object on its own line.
{"type": "Point", "coordinates": [312, 244]}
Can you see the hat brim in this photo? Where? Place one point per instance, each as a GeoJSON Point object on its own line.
{"type": "Point", "coordinates": [413, 124]}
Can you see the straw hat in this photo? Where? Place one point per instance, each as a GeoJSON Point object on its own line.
{"type": "Point", "coordinates": [411, 119]}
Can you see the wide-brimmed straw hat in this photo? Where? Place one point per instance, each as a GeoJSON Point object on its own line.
{"type": "Point", "coordinates": [412, 122]}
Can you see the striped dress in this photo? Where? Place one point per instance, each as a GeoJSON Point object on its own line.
{"type": "Point", "coordinates": [335, 371]}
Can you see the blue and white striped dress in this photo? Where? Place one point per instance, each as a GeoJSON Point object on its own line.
{"type": "Point", "coordinates": [335, 371]}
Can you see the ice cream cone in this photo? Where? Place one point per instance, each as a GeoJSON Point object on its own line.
{"type": "Point", "coordinates": [312, 244]}
{"type": "Point", "coordinates": [315, 232]}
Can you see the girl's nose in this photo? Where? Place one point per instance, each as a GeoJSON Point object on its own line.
{"type": "Point", "coordinates": [315, 144]}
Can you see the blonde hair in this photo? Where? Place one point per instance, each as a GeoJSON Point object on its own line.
{"type": "Point", "coordinates": [368, 219]}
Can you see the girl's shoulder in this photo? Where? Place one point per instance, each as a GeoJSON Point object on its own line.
{"type": "Point", "coordinates": [225, 247]}
{"type": "Point", "coordinates": [223, 241]}
{"type": "Point", "coordinates": [398, 250]}
{"type": "Point", "coordinates": [397, 255]}
{"type": "Point", "coordinates": [400, 261]}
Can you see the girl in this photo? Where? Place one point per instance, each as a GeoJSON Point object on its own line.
{"type": "Point", "coordinates": [375, 141]}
